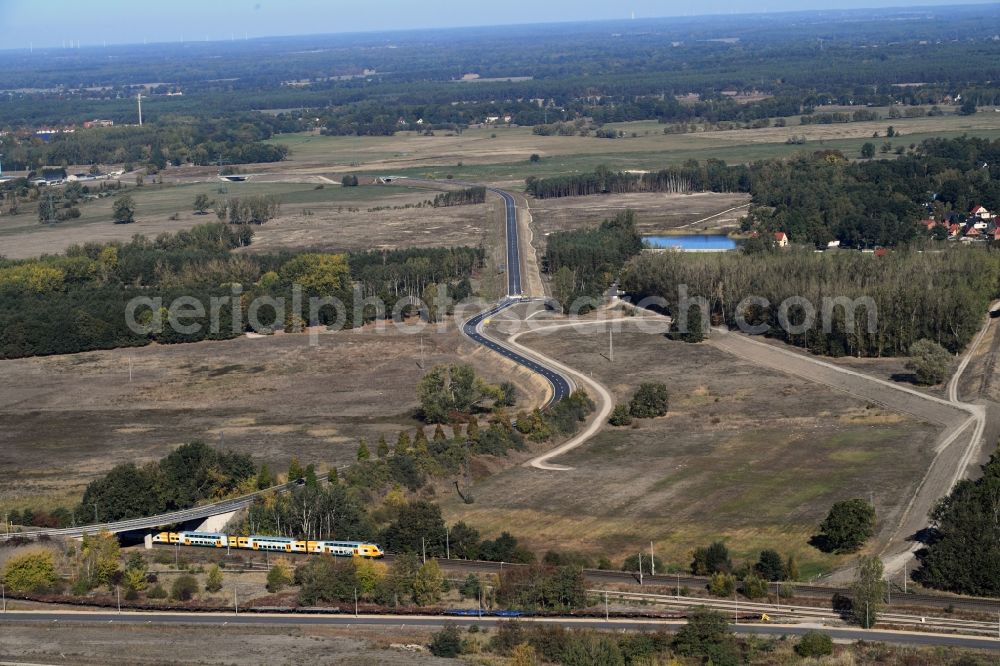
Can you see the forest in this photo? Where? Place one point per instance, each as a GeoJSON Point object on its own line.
{"type": "Point", "coordinates": [791, 64]}
{"type": "Point", "coordinates": [471, 195]}
{"type": "Point", "coordinates": [710, 176]}
{"type": "Point", "coordinates": [584, 263]}
{"type": "Point", "coordinates": [963, 550]}
{"type": "Point", "coordinates": [939, 296]}
{"type": "Point", "coordinates": [823, 196]}
{"type": "Point", "coordinates": [171, 140]}
{"type": "Point", "coordinates": [60, 304]}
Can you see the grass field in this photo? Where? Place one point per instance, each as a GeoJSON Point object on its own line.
{"type": "Point", "coordinates": [331, 218]}
{"type": "Point", "coordinates": [68, 419]}
{"type": "Point", "coordinates": [656, 212]}
{"type": "Point", "coordinates": [501, 154]}
{"type": "Point", "coordinates": [746, 455]}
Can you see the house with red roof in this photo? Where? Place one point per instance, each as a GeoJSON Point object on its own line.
{"type": "Point", "coordinates": [781, 238]}
{"type": "Point", "coordinates": [980, 212]}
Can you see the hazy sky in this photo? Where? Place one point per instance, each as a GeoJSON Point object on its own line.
{"type": "Point", "coordinates": [50, 22]}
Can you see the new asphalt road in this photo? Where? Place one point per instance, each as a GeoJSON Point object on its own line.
{"type": "Point", "coordinates": [513, 245]}
{"type": "Point", "coordinates": [473, 328]}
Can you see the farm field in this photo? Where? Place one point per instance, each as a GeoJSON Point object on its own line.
{"type": "Point", "coordinates": [319, 214]}
{"type": "Point", "coordinates": [655, 212]}
{"type": "Point", "coordinates": [69, 419]}
{"type": "Point", "coordinates": [500, 154]}
{"type": "Point", "coordinates": [746, 455]}
{"type": "Point", "coordinates": [332, 218]}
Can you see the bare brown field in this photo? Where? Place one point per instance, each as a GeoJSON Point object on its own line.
{"type": "Point", "coordinates": [69, 419]}
{"type": "Point", "coordinates": [509, 147]}
{"type": "Point", "coordinates": [165, 645]}
{"type": "Point", "coordinates": [656, 212]}
{"type": "Point", "coordinates": [747, 455]}
{"type": "Point", "coordinates": [328, 218]}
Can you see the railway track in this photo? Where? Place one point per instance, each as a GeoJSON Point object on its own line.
{"type": "Point", "coordinates": [672, 582]}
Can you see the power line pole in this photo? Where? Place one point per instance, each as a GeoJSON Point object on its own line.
{"type": "Point", "coordinates": [652, 560]}
{"type": "Point", "coordinates": [640, 567]}
{"type": "Point", "coordinates": [423, 548]}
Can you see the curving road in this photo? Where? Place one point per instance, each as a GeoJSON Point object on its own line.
{"type": "Point", "coordinates": [474, 327]}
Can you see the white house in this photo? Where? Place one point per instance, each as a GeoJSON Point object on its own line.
{"type": "Point", "coordinates": [981, 213]}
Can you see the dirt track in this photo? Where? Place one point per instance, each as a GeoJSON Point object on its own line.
{"type": "Point", "coordinates": [955, 451]}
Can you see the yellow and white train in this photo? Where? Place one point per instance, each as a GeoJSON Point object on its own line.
{"type": "Point", "coordinates": [271, 543]}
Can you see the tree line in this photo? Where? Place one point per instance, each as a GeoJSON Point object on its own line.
{"type": "Point", "coordinates": [76, 302]}
{"type": "Point", "coordinates": [820, 197]}
{"type": "Point", "coordinates": [583, 263]}
{"type": "Point", "coordinates": [692, 176]}
{"type": "Point", "coordinates": [963, 549]}
{"type": "Point", "coordinates": [471, 195]}
{"type": "Point", "coordinates": [940, 296]}
{"type": "Point", "coordinates": [174, 141]}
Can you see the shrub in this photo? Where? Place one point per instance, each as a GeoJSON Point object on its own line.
{"type": "Point", "coordinates": [770, 566]}
{"type": "Point", "coordinates": [591, 649]}
{"type": "Point", "coordinates": [722, 585]}
{"type": "Point", "coordinates": [620, 416]}
{"type": "Point", "coordinates": [471, 587]}
{"type": "Point", "coordinates": [705, 632]}
{"type": "Point", "coordinates": [814, 644]}
{"type": "Point", "coordinates": [523, 655]}
{"type": "Point", "coordinates": [631, 563]}
{"type": "Point", "coordinates": [157, 592]}
{"type": "Point", "coordinates": [712, 559]}
{"type": "Point", "coordinates": [184, 588]}
{"type": "Point", "coordinates": [754, 587]}
{"type": "Point", "coordinates": [214, 581]}
{"type": "Point", "coordinates": [34, 571]}
{"type": "Point", "coordinates": [509, 635]}
{"type": "Point", "coordinates": [650, 400]}
{"type": "Point", "coordinates": [278, 577]}
{"type": "Point", "coordinates": [447, 642]}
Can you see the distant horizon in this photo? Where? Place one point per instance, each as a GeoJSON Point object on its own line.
{"type": "Point", "coordinates": [69, 25]}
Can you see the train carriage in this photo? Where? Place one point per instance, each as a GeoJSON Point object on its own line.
{"type": "Point", "coordinates": [214, 539]}
{"type": "Point", "coordinates": [271, 543]}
